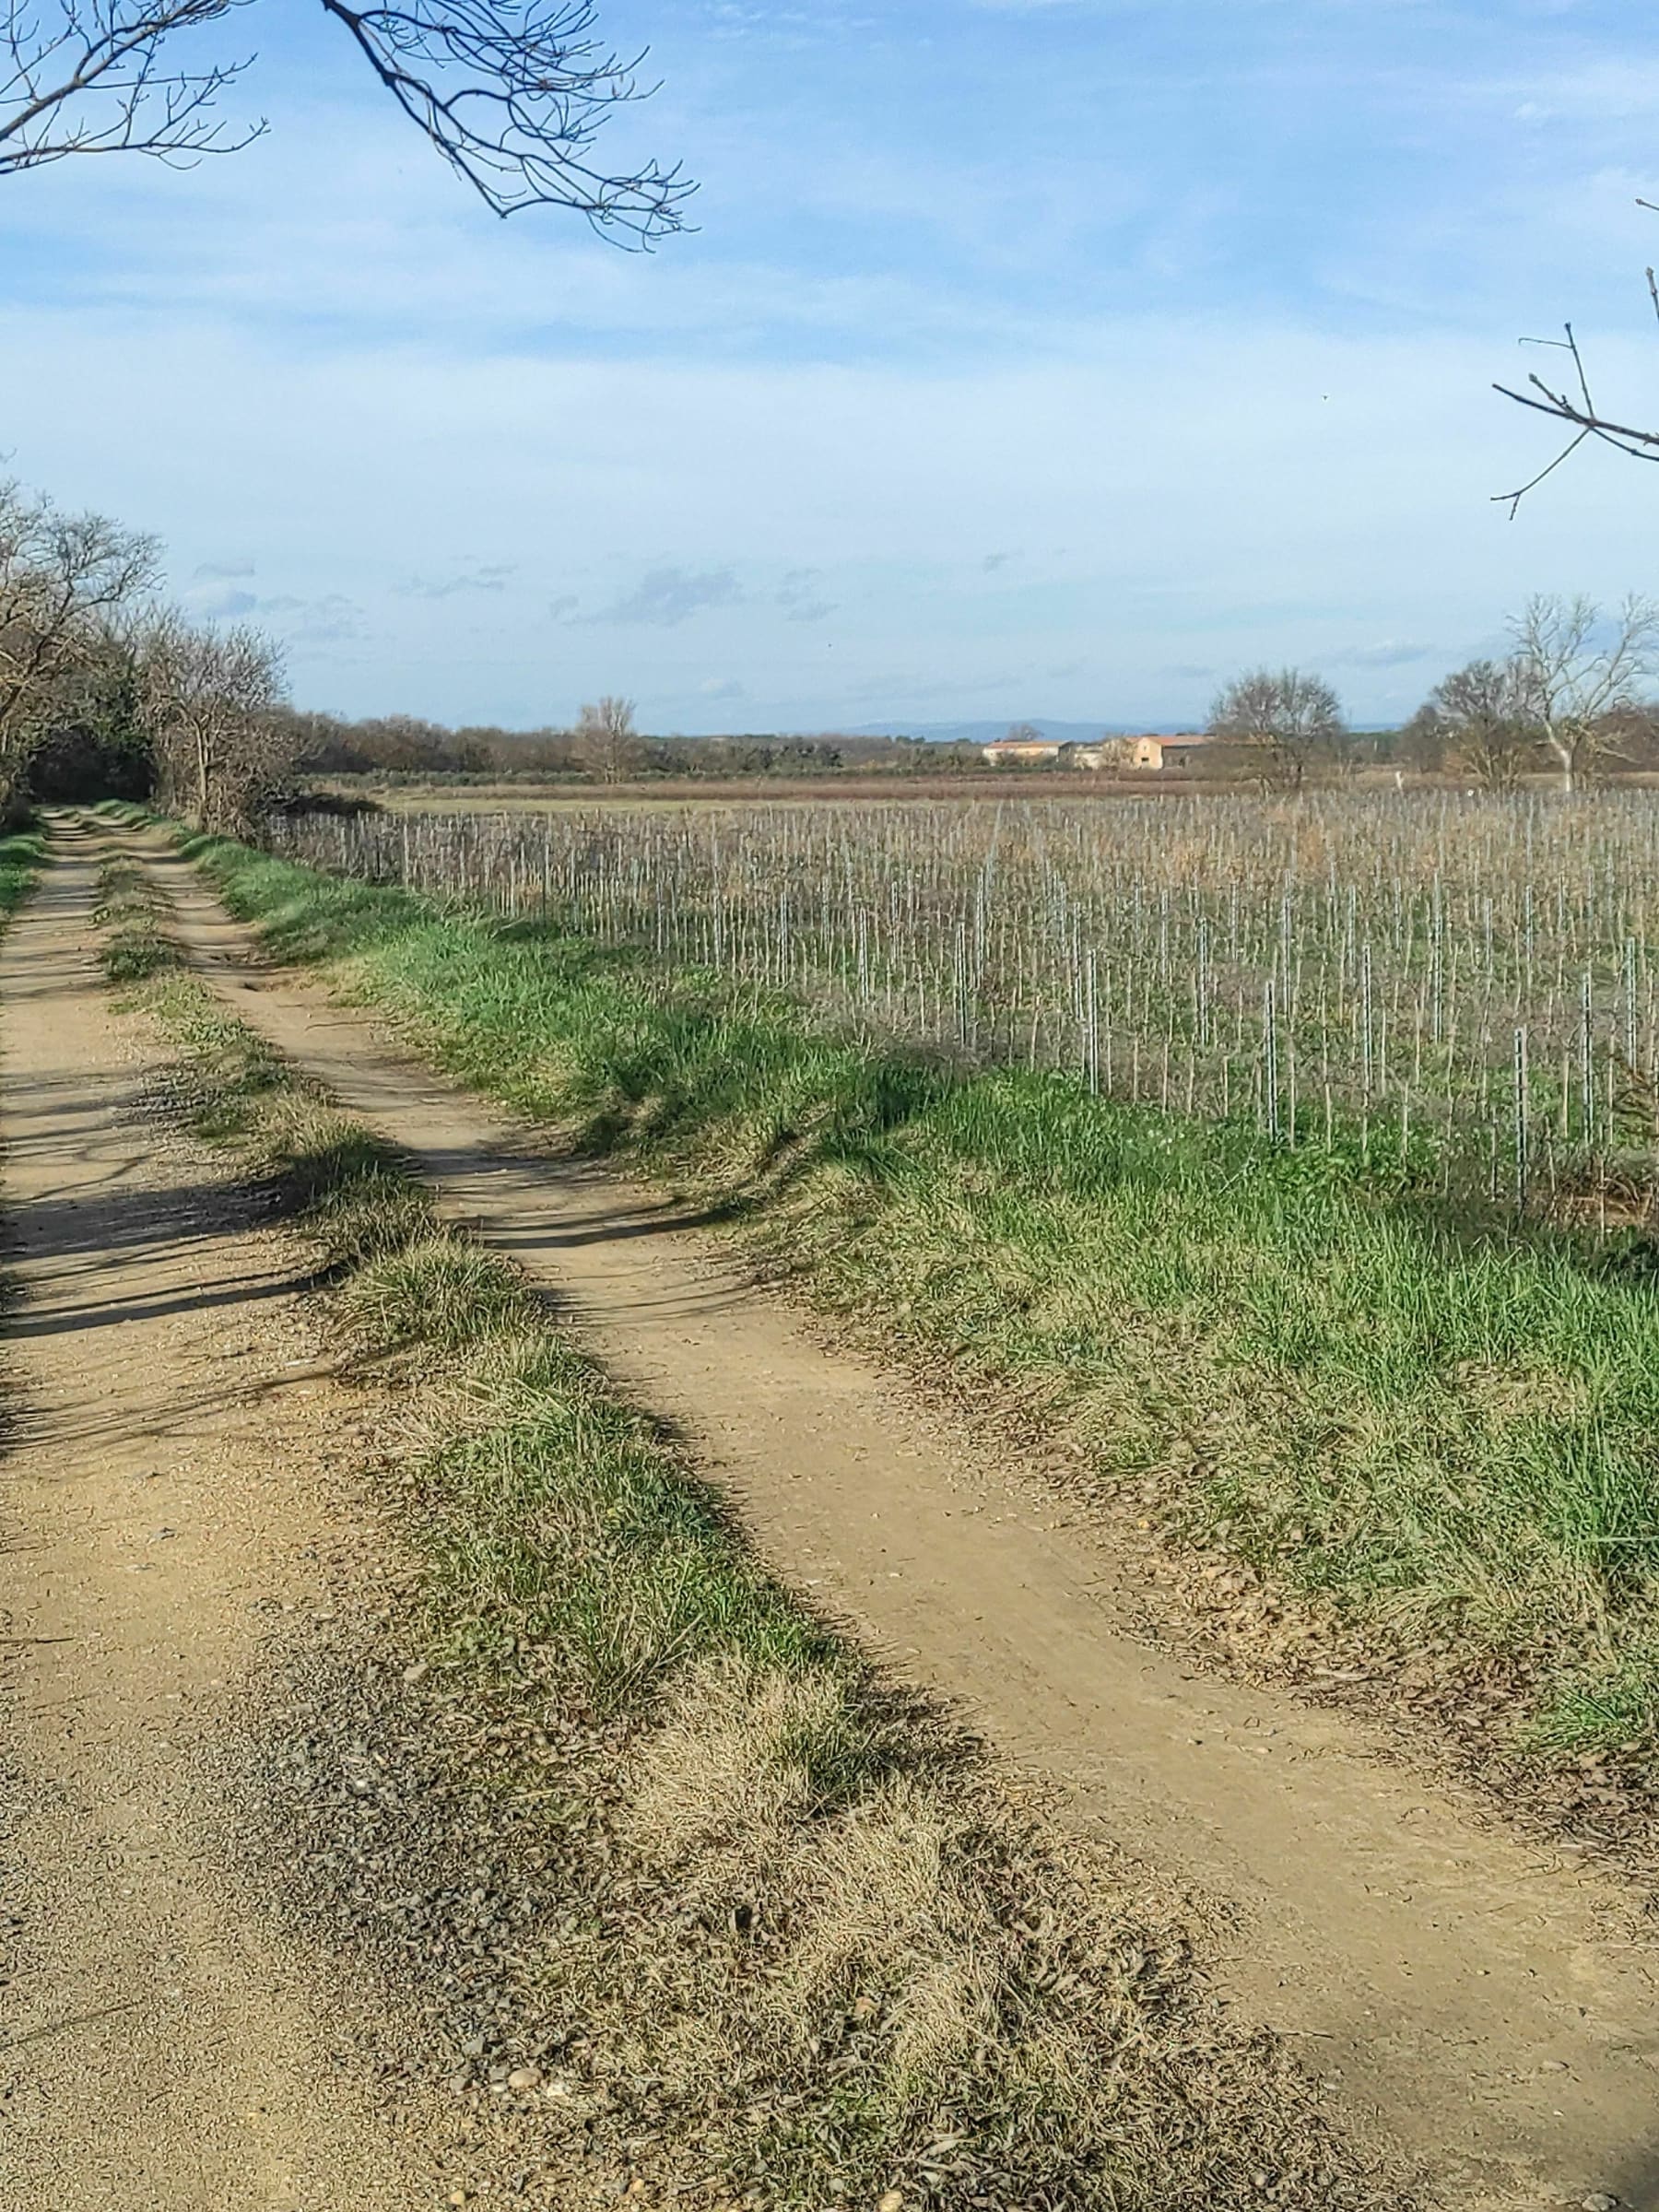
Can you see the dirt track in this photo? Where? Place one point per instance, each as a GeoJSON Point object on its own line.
{"type": "Point", "coordinates": [161, 2050]}
{"type": "Point", "coordinates": [1489, 2008]}
{"type": "Point", "coordinates": [1485, 2002]}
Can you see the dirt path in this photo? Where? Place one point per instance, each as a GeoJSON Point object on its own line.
{"type": "Point", "coordinates": [160, 2049]}
{"type": "Point", "coordinates": [1484, 2003]}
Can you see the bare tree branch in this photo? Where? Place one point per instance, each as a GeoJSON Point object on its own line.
{"type": "Point", "coordinates": [1582, 412]}
{"type": "Point", "coordinates": [96, 82]}
{"type": "Point", "coordinates": [512, 93]}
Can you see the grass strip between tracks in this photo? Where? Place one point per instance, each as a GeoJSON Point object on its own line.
{"type": "Point", "coordinates": [803, 1946]}
{"type": "Point", "coordinates": [1436, 1434]}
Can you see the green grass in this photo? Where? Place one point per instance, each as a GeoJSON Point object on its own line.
{"type": "Point", "coordinates": [1442, 1430]}
{"type": "Point", "coordinates": [20, 858]}
{"type": "Point", "coordinates": [129, 915]}
{"type": "Point", "coordinates": [806, 1948]}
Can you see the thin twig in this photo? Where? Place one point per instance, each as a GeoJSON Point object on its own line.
{"type": "Point", "coordinates": [79, 2019]}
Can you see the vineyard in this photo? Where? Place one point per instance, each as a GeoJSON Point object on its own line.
{"type": "Point", "coordinates": [1461, 991]}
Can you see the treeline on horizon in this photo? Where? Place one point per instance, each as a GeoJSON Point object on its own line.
{"type": "Point", "coordinates": [397, 746]}
{"type": "Point", "coordinates": [407, 748]}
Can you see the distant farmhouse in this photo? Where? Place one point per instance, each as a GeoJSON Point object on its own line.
{"type": "Point", "coordinates": [1026, 751]}
{"type": "Point", "coordinates": [1192, 751]}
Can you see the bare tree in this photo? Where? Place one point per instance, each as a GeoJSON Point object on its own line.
{"type": "Point", "coordinates": [606, 743]}
{"type": "Point", "coordinates": [64, 578]}
{"type": "Point", "coordinates": [1290, 721]}
{"type": "Point", "coordinates": [209, 701]}
{"type": "Point", "coordinates": [1579, 671]}
{"type": "Point", "coordinates": [511, 93]}
{"type": "Point", "coordinates": [1484, 718]}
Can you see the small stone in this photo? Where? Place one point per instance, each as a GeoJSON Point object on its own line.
{"type": "Point", "coordinates": [523, 2077]}
{"type": "Point", "coordinates": [1599, 2201]}
{"type": "Point", "coordinates": [892, 2202]}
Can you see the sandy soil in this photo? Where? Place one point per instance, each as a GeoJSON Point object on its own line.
{"type": "Point", "coordinates": [1487, 2003]}
{"type": "Point", "coordinates": [162, 2048]}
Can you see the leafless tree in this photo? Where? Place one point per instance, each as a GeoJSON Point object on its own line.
{"type": "Point", "coordinates": [606, 743]}
{"type": "Point", "coordinates": [64, 578]}
{"type": "Point", "coordinates": [209, 701]}
{"type": "Point", "coordinates": [1579, 671]}
{"type": "Point", "coordinates": [512, 93]}
{"type": "Point", "coordinates": [1290, 721]}
{"type": "Point", "coordinates": [1483, 716]}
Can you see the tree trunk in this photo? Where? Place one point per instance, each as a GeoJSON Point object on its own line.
{"type": "Point", "coordinates": [1565, 752]}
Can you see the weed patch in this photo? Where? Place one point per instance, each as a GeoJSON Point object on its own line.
{"type": "Point", "coordinates": [131, 916]}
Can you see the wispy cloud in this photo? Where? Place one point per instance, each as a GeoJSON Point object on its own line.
{"type": "Point", "coordinates": [331, 619]}
{"type": "Point", "coordinates": [1388, 654]}
{"type": "Point", "coordinates": [801, 598]}
{"type": "Point", "coordinates": [220, 605]}
{"type": "Point", "coordinates": [494, 577]}
{"type": "Point", "coordinates": [665, 597]}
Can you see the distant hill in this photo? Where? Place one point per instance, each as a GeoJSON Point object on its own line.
{"type": "Point", "coordinates": [981, 733]}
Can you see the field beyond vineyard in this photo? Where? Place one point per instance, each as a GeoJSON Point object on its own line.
{"type": "Point", "coordinates": [1294, 1163]}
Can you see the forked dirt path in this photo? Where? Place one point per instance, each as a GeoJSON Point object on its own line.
{"type": "Point", "coordinates": [161, 2049]}
{"type": "Point", "coordinates": [1485, 2002]}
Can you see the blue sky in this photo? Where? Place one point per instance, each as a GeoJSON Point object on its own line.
{"type": "Point", "coordinates": [1032, 356]}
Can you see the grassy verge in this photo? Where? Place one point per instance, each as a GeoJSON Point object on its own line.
{"type": "Point", "coordinates": [22, 854]}
{"type": "Point", "coordinates": [1443, 1438]}
{"type": "Point", "coordinates": [789, 1943]}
